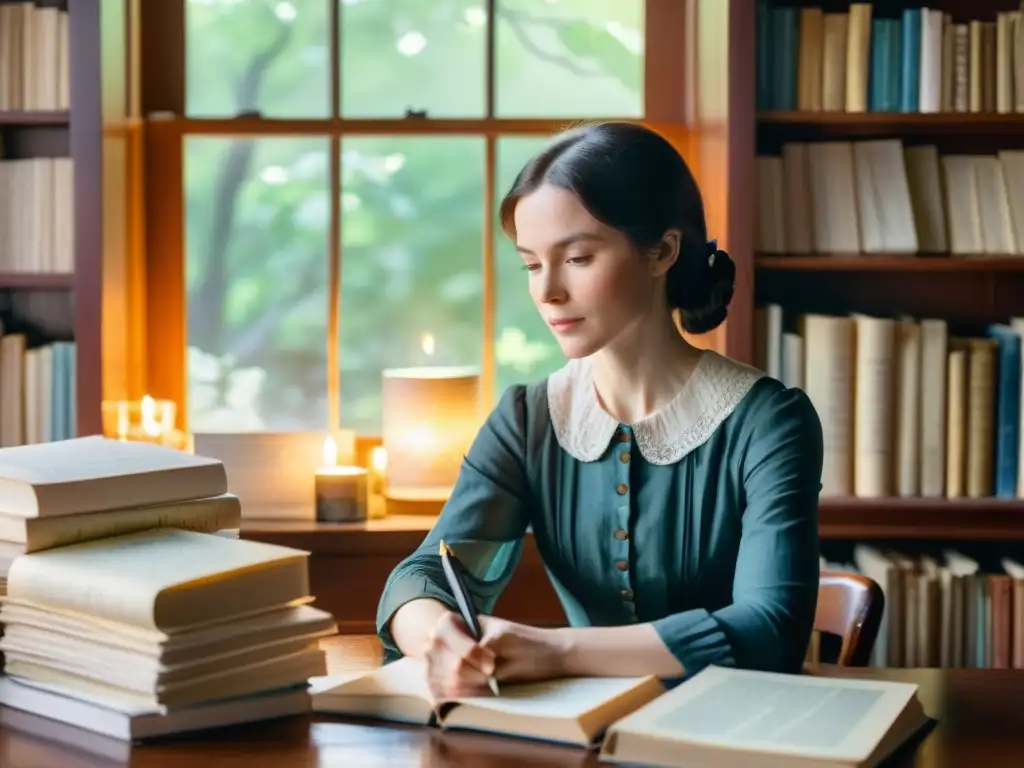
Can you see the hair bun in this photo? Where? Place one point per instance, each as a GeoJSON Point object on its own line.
{"type": "Point", "coordinates": [707, 312]}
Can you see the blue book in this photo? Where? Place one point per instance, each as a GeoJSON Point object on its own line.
{"type": "Point", "coordinates": [886, 65]}
{"type": "Point", "coordinates": [786, 47]}
{"type": "Point", "coordinates": [765, 56]}
{"type": "Point", "coordinates": [911, 60]}
{"type": "Point", "coordinates": [1007, 416]}
{"type": "Point", "coordinates": [894, 82]}
{"type": "Point", "coordinates": [878, 65]}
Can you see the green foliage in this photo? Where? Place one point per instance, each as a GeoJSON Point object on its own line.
{"type": "Point", "coordinates": [413, 208]}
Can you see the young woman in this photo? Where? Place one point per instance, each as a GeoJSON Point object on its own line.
{"type": "Point", "coordinates": [672, 492]}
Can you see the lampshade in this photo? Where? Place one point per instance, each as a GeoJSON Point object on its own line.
{"type": "Point", "coordinates": [430, 417]}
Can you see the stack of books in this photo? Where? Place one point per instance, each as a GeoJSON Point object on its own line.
{"type": "Point", "coordinates": [68, 491]}
{"type": "Point", "coordinates": [132, 608]}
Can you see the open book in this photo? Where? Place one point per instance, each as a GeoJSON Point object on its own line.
{"type": "Point", "coordinates": [720, 716]}
{"type": "Point", "coordinates": [574, 711]}
{"type": "Point", "coordinates": [733, 717]}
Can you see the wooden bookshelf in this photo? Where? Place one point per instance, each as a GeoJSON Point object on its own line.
{"type": "Point", "coordinates": [890, 262]}
{"type": "Point", "coordinates": [921, 519]}
{"type": "Point", "coordinates": [969, 291]}
{"type": "Point", "coordinates": [856, 123]}
{"type": "Point", "coordinates": [57, 117]}
{"type": "Point", "coordinates": [75, 132]}
{"type": "Point", "coordinates": [37, 281]}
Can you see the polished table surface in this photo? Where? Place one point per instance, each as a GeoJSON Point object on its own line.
{"type": "Point", "coordinates": [980, 714]}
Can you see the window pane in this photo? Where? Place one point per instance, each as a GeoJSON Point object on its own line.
{"type": "Point", "coordinates": [411, 264]}
{"type": "Point", "coordinates": [570, 58]}
{"type": "Point", "coordinates": [257, 222]}
{"type": "Point", "coordinates": [266, 55]}
{"type": "Point", "coordinates": [413, 54]}
{"type": "Point", "coordinates": [524, 348]}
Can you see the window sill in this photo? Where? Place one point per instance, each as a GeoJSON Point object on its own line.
{"type": "Point", "coordinates": [395, 533]}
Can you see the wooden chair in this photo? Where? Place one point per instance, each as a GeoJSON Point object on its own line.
{"type": "Point", "coordinates": [849, 607]}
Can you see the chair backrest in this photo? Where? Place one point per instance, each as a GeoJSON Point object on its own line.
{"type": "Point", "coordinates": [850, 606]}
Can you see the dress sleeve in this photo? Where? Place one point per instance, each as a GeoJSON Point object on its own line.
{"type": "Point", "coordinates": [775, 587]}
{"type": "Point", "coordinates": [484, 521]}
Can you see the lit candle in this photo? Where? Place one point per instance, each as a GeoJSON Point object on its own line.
{"type": "Point", "coordinates": [430, 417]}
{"type": "Point", "coordinates": [378, 465]}
{"type": "Point", "coordinates": [340, 490]}
{"type": "Point", "coordinates": [147, 420]}
{"type": "Point", "coordinates": [122, 421]}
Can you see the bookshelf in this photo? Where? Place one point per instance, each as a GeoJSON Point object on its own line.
{"type": "Point", "coordinates": [49, 110]}
{"type": "Point", "coordinates": [847, 124]}
{"type": "Point", "coordinates": [21, 117]}
{"type": "Point", "coordinates": [969, 290]}
{"type": "Point", "coordinates": [905, 143]}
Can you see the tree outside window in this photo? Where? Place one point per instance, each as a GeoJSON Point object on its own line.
{"type": "Point", "coordinates": [411, 192]}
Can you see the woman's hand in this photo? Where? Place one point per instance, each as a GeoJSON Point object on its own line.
{"type": "Point", "coordinates": [524, 653]}
{"type": "Point", "coordinates": [457, 665]}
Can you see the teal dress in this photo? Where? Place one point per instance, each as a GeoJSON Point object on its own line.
{"type": "Point", "coordinates": [702, 519]}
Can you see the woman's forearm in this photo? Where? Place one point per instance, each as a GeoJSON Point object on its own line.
{"type": "Point", "coordinates": [412, 623]}
{"type": "Point", "coordinates": [629, 651]}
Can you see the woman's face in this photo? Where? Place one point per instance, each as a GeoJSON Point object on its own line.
{"type": "Point", "coordinates": [588, 282]}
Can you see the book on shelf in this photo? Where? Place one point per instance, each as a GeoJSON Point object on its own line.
{"type": "Point", "coordinates": [908, 407]}
{"type": "Point", "coordinates": [868, 59]}
{"type": "Point", "coordinates": [34, 61]}
{"type": "Point", "coordinates": [37, 232]}
{"type": "Point", "coordinates": [880, 196]}
{"type": "Point", "coordinates": [943, 610]}
{"type": "Point", "coordinates": [716, 715]}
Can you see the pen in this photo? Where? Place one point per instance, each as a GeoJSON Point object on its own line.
{"type": "Point", "coordinates": [453, 570]}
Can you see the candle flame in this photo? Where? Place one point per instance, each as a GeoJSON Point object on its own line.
{"type": "Point", "coordinates": [330, 452]}
{"type": "Point", "coordinates": [122, 420]}
{"type": "Point", "coordinates": [379, 458]}
{"type": "Point", "coordinates": [148, 415]}
{"type": "Point", "coordinates": [427, 343]}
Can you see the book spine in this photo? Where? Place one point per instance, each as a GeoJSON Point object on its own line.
{"type": "Point", "coordinates": [910, 67]}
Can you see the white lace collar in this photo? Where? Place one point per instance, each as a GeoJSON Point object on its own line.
{"type": "Point", "coordinates": [584, 429]}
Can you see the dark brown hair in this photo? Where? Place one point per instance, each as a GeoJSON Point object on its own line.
{"type": "Point", "coordinates": [630, 178]}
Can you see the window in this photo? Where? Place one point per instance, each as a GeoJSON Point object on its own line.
{"type": "Point", "coordinates": [340, 188]}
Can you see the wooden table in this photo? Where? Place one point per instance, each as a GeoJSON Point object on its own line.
{"type": "Point", "coordinates": [980, 716]}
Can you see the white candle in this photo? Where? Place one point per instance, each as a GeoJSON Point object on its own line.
{"type": "Point", "coordinates": [430, 417]}
{"type": "Point", "coordinates": [340, 491]}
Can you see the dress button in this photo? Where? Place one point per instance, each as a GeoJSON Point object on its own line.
{"type": "Point", "coordinates": [624, 457]}
{"type": "Point", "coordinates": [621, 535]}
{"type": "Point", "coordinates": [627, 594]}
{"type": "Point", "coordinates": [621, 489]}
{"type": "Point", "coordinates": [622, 565]}
{"type": "Point", "coordinates": [623, 436]}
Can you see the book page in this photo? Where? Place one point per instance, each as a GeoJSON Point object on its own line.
{"type": "Point", "coordinates": [404, 677]}
{"type": "Point", "coordinates": [568, 698]}
{"type": "Point", "coordinates": [767, 712]}
{"type": "Point", "coordinates": [120, 578]}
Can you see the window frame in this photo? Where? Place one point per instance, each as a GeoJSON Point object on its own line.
{"type": "Point", "coordinates": [669, 100]}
